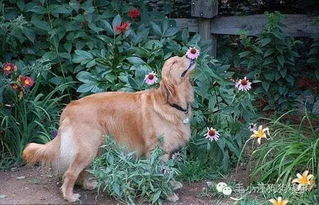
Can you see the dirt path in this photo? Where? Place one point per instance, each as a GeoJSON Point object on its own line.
{"type": "Point", "coordinates": [28, 185]}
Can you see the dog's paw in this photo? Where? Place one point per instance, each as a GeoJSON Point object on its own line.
{"type": "Point", "coordinates": [90, 184]}
{"type": "Point", "coordinates": [173, 197]}
{"type": "Point", "coordinates": [176, 185]}
{"type": "Point", "coordinates": [73, 197]}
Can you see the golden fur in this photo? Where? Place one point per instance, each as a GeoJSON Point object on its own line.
{"type": "Point", "coordinates": [135, 120]}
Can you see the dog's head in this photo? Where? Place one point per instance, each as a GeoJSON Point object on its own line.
{"type": "Point", "coordinates": [175, 76]}
{"type": "Point", "coordinates": [177, 69]}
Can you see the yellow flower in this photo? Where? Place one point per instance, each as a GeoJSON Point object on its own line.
{"type": "Point", "coordinates": [260, 133]}
{"type": "Point", "coordinates": [305, 180]}
{"type": "Point", "coordinates": [279, 201]}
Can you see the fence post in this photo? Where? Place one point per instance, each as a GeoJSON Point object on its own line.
{"type": "Point", "coordinates": [206, 10]}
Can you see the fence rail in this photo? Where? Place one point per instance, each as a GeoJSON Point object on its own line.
{"type": "Point", "coordinates": [208, 24]}
{"type": "Point", "coordinates": [294, 25]}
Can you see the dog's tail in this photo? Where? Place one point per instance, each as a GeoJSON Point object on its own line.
{"type": "Point", "coordinates": [43, 153]}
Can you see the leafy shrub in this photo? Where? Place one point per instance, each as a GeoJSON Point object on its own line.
{"type": "Point", "coordinates": [26, 114]}
{"type": "Point", "coordinates": [293, 149]}
{"type": "Point", "coordinates": [129, 179]}
{"type": "Point", "coordinates": [271, 58]}
{"type": "Point", "coordinates": [89, 41]}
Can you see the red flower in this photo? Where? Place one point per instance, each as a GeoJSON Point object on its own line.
{"type": "Point", "coordinates": [26, 81]}
{"type": "Point", "coordinates": [134, 13]}
{"type": "Point", "coordinates": [123, 27]}
{"type": "Point", "coordinates": [9, 68]}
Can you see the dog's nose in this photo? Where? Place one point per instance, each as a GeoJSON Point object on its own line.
{"type": "Point", "coordinates": [190, 59]}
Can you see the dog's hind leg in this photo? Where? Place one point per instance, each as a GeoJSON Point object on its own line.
{"type": "Point", "coordinates": [81, 161]}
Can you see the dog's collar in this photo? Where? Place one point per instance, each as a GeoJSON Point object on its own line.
{"type": "Point", "coordinates": [180, 108]}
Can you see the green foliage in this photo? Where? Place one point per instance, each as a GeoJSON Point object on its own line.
{"type": "Point", "coordinates": [27, 115]}
{"type": "Point", "coordinates": [271, 58]}
{"type": "Point", "coordinates": [293, 149]}
{"type": "Point", "coordinates": [129, 179]}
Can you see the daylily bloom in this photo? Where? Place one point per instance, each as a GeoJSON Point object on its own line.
{"type": "Point", "coordinates": [134, 13]}
{"type": "Point", "coordinates": [192, 53]}
{"type": "Point", "coordinates": [26, 81]}
{"type": "Point", "coordinates": [123, 27]}
{"type": "Point", "coordinates": [9, 68]}
{"type": "Point", "coordinates": [279, 201]}
{"type": "Point", "coordinates": [151, 78]}
{"type": "Point", "coordinates": [243, 84]}
{"type": "Point", "coordinates": [212, 134]}
{"type": "Point", "coordinates": [260, 133]}
{"type": "Point", "coordinates": [305, 180]}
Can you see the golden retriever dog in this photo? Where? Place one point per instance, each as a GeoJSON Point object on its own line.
{"type": "Point", "coordinates": [134, 120]}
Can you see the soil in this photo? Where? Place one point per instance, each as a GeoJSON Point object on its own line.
{"type": "Point", "coordinates": [30, 185]}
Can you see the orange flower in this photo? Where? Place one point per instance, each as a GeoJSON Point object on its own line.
{"type": "Point", "coordinates": [9, 68]}
{"type": "Point", "coordinates": [123, 27]}
{"type": "Point", "coordinates": [26, 81]}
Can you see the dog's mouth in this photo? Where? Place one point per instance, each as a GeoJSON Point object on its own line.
{"type": "Point", "coordinates": [191, 66]}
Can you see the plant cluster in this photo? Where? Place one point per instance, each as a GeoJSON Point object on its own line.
{"type": "Point", "coordinates": [130, 179]}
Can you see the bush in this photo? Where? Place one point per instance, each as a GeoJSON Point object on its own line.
{"type": "Point", "coordinates": [271, 58]}
{"type": "Point", "coordinates": [129, 179]}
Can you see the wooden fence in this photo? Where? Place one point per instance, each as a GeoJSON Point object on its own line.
{"type": "Point", "coordinates": [208, 24]}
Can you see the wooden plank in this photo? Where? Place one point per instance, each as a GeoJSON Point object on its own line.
{"type": "Point", "coordinates": [204, 8]}
{"type": "Point", "coordinates": [296, 25]}
{"type": "Point", "coordinates": [204, 32]}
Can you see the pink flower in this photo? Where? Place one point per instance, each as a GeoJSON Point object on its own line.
{"type": "Point", "coordinates": [243, 85]}
{"type": "Point", "coordinates": [9, 68]}
{"type": "Point", "coordinates": [26, 81]}
{"type": "Point", "coordinates": [123, 27]}
{"type": "Point", "coordinates": [192, 53]}
{"type": "Point", "coordinates": [212, 134]}
{"type": "Point", "coordinates": [150, 78]}
{"type": "Point", "coordinates": [134, 13]}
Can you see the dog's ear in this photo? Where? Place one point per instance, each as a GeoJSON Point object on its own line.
{"type": "Point", "coordinates": [169, 90]}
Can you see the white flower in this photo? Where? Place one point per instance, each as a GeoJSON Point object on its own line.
{"type": "Point", "coordinates": [243, 84]}
{"type": "Point", "coordinates": [212, 134]}
{"type": "Point", "coordinates": [150, 78]}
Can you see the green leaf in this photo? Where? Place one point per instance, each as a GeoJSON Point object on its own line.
{"type": "Point", "coordinates": [29, 33]}
{"type": "Point", "coordinates": [107, 26]}
{"type": "Point", "coordinates": [265, 41]}
{"type": "Point", "coordinates": [265, 85]}
{"type": "Point", "coordinates": [85, 77]}
{"type": "Point", "coordinates": [84, 88]}
{"type": "Point", "coordinates": [132, 82]}
{"type": "Point", "coordinates": [40, 24]}
{"type": "Point", "coordinates": [82, 56]}
{"type": "Point", "coordinates": [281, 60]}
{"type": "Point", "coordinates": [156, 29]}
{"type": "Point", "coordinates": [268, 52]}
{"type": "Point", "coordinates": [116, 21]}
{"type": "Point", "coordinates": [244, 54]}
{"type": "Point", "coordinates": [135, 60]}
{"type": "Point", "coordinates": [194, 40]}
{"type": "Point", "coordinates": [156, 196]}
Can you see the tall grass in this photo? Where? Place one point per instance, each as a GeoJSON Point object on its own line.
{"type": "Point", "coordinates": [31, 119]}
{"type": "Point", "coordinates": [293, 149]}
